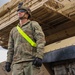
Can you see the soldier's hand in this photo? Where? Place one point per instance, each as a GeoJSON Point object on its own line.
{"type": "Point", "coordinates": [7, 66]}
{"type": "Point", "coordinates": [37, 62]}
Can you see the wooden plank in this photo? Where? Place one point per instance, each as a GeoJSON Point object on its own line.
{"type": "Point", "coordinates": [15, 18]}
{"type": "Point", "coordinates": [60, 44]}
{"type": "Point", "coordinates": [9, 22]}
{"type": "Point", "coordinates": [60, 35]}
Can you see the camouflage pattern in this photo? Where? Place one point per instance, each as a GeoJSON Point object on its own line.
{"type": "Point", "coordinates": [26, 69]}
{"type": "Point", "coordinates": [19, 50]}
{"type": "Point", "coordinates": [60, 70]}
{"type": "Point", "coordinates": [65, 69]}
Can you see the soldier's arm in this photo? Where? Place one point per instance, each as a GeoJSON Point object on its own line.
{"type": "Point", "coordinates": [40, 40]}
{"type": "Point", "coordinates": [10, 48]}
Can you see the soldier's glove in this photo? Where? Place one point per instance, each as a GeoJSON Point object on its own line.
{"type": "Point", "coordinates": [37, 62]}
{"type": "Point", "coordinates": [7, 66]}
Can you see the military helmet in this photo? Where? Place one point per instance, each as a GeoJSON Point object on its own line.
{"type": "Point", "coordinates": [22, 7]}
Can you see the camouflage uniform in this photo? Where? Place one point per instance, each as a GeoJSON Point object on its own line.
{"type": "Point", "coordinates": [19, 50]}
{"type": "Point", "coordinates": [65, 69]}
{"type": "Point", "coordinates": [26, 69]}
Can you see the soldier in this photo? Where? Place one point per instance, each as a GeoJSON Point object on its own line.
{"type": "Point", "coordinates": [25, 59]}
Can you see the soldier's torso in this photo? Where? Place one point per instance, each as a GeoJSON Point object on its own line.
{"type": "Point", "coordinates": [23, 51]}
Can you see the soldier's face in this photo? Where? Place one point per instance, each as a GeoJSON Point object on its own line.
{"type": "Point", "coordinates": [22, 15]}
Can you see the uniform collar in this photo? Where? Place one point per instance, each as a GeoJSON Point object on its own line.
{"type": "Point", "coordinates": [24, 23]}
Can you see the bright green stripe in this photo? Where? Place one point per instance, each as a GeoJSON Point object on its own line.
{"type": "Point", "coordinates": [26, 36]}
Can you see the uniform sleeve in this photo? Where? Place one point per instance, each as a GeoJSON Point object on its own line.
{"type": "Point", "coordinates": [40, 40]}
{"type": "Point", "coordinates": [10, 48]}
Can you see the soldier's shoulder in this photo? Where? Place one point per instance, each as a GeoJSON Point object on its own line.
{"type": "Point", "coordinates": [35, 23]}
{"type": "Point", "coordinates": [13, 29]}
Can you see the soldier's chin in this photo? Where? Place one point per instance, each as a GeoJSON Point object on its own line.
{"type": "Point", "coordinates": [22, 18]}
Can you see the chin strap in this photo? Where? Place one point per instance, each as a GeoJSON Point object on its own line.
{"type": "Point", "coordinates": [21, 18]}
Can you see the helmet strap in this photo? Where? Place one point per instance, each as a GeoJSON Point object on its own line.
{"type": "Point", "coordinates": [23, 17]}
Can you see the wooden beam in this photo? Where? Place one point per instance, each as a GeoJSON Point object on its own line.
{"type": "Point", "coordinates": [60, 44]}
